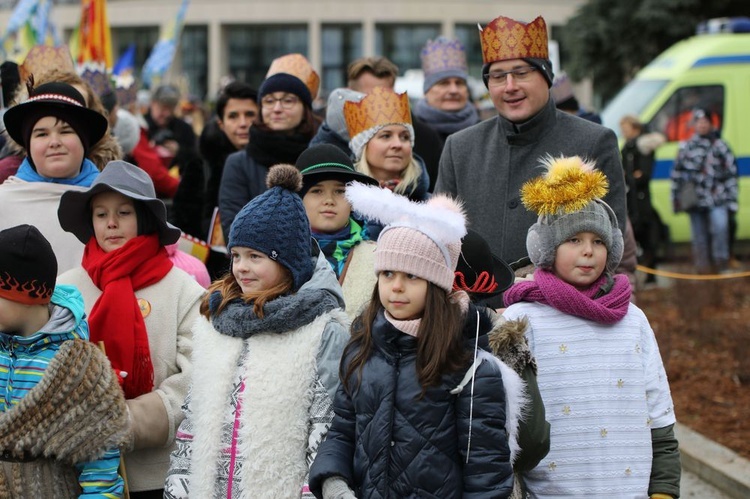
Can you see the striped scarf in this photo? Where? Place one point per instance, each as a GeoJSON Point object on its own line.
{"type": "Point", "coordinates": [336, 246]}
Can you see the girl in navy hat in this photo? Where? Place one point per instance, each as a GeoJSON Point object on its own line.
{"type": "Point", "coordinates": [266, 355]}
{"type": "Point", "coordinates": [139, 305]}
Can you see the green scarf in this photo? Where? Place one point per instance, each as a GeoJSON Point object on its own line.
{"type": "Point", "coordinates": [336, 246]}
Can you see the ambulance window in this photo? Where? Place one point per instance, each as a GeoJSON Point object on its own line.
{"type": "Point", "coordinates": [674, 119]}
{"type": "Point", "coordinates": [632, 99]}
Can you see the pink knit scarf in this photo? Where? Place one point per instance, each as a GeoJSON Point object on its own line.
{"type": "Point", "coordinates": [549, 289]}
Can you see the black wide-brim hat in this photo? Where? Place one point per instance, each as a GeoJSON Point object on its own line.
{"type": "Point", "coordinates": [478, 268]}
{"type": "Point", "coordinates": [328, 162]}
{"type": "Point", "coordinates": [62, 101]}
{"type": "Point", "coordinates": [74, 211]}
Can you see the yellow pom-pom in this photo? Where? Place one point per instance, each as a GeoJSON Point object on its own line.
{"type": "Point", "coordinates": [569, 184]}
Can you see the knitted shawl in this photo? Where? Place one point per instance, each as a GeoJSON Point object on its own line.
{"type": "Point", "coordinates": [74, 414]}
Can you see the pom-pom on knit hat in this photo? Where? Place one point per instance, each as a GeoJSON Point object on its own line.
{"type": "Point", "coordinates": [276, 224]}
{"type": "Point", "coordinates": [422, 239]}
{"type": "Point", "coordinates": [28, 266]}
{"type": "Point", "coordinates": [568, 201]}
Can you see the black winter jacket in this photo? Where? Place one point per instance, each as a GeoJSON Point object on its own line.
{"type": "Point", "coordinates": [387, 442]}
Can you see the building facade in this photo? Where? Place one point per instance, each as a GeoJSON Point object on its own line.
{"type": "Point", "coordinates": [240, 38]}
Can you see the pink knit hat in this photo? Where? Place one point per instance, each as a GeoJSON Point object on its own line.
{"type": "Point", "coordinates": [422, 239]}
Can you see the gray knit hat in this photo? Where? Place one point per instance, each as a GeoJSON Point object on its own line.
{"type": "Point", "coordinates": [568, 201]}
{"type": "Point", "coordinates": [335, 110]}
{"type": "Point", "coordinates": [276, 224]}
{"type": "Point", "coordinates": [551, 231]}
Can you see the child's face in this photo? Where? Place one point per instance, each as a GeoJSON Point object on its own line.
{"type": "Point", "coordinates": [580, 260]}
{"type": "Point", "coordinates": [326, 206]}
{"type": "Point", "coordinates": [402, 295]}
{"type": "Point", "coordinates": [254, 271]}
{"type": "Point", "coordinates": [14, 317]}
{"type": "Point", "coordinates": [114, 219]}
{"type": "Point", "coordinates": [55, 148]}
{"type": "Point", "coordinates": [389, 152]}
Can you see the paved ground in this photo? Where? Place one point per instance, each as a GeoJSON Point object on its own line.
{"type": "Point", "coordinates": [692, 486]}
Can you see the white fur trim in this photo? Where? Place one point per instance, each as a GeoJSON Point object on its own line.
{"type": "Point", "coordinates": [516, 400]}
{"type": "Point", "coordinates": [279, 371]}
{"type": "Point", "coordinates": [214, 357]}
{"type": "Point", "coordinates": [358, 142]}
{"type": "Point", "coordinates": [440, 218]}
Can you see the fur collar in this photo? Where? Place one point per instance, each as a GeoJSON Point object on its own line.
{"type": "Point", "coordinates": [276, 372]}
{"type": "Point", "coordinates": [508, 342]}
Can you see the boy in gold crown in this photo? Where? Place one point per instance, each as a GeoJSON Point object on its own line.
{"type": "Point", "coordinates": [486, 165]}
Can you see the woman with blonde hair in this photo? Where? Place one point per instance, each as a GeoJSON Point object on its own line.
{"type": "Point", "coordinates": [382, 141]}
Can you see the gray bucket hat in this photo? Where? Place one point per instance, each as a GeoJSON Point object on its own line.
{"type": "Point", "coordinates": [128, 180]}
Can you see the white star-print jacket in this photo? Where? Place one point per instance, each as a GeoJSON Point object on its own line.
{"type": "Point", "coordinates": [604, 389]}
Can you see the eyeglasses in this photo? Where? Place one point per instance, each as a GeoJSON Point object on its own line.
{"type": "Point", "coordinates": [287, 102]}
{"type": "Point", "coordinates": [501, 77]}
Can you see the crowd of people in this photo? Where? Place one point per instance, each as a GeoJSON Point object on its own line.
{"type": "Point", "coordinates": [401, 302]}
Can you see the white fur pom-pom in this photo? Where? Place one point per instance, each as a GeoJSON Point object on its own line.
{"type": "Point", "coordinates": [441, 217]}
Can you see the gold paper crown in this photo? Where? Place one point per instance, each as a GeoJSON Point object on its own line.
{"type": "Point", "coordinates": [443, 54]}
{"type": "Point", "coordinates": [505, 39]}
{"type": "Point", "coordinates": [95, 74]}
{"type": "Point", "coordinates": [569, 185]}
{"type": "Point", "coordinates": [382, 107]}
{"type": "Point", "coordinates": [43, 58]}
{"type": "Point", "coordinates": [297, 65]}
{"type": "Point", "coordinates": [125, 89]}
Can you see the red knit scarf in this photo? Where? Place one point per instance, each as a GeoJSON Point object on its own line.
{"type": "Point", "coordinates": [549, 289]}
{"type": "Point", "coordinates": [116, 317]}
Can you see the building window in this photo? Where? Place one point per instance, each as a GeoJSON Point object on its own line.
{"type": "Point", "coordinates": [341, 44]}
{"type": "Point", "coordinates": [194, 53]}
{"type": "Point", "coordinates": [252, 48]}
{"type": "Point", "coordinates": [468, 35]}
{"type": "Point", "coordinates": [402, 43]}
{"type": "Point", "coordinates": [144, 39]}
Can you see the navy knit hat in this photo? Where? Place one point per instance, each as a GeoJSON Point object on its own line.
{"type": "Point", "coordinates": [276, 224]}
{"type": "Point", "coordinates": [284, 82]}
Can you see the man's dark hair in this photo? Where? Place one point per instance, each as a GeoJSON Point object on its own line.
{"type": "Point", "coordinates": [234, 90]}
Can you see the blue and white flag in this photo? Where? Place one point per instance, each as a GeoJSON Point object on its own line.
{"type": "Point", "coordinates": [162, 54]}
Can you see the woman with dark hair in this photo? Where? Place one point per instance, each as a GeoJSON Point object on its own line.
{"type": "Point", "coordinates": [283, 130]}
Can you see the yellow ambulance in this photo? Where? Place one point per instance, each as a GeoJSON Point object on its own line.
{"type": "Point", "coordinates": [709, 70]}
